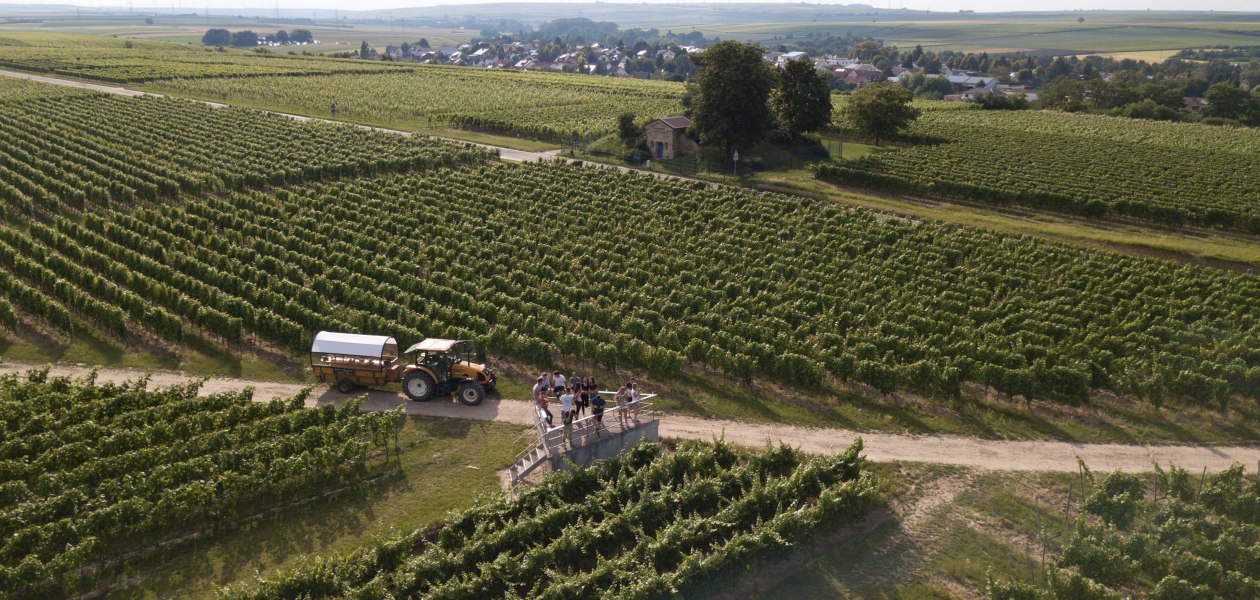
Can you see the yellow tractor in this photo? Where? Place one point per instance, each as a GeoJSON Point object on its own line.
{"type": "Point", "coordinates": [446, 367]}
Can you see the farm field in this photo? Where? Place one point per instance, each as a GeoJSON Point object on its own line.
{"type": "Point", "coordinates": [1177, 534]}
{"type": "Point", "coordinates": [181, 29]}
{"type": "Point", "coordinates": [272, 290]}
{"type": "Point", "coordinates": [117, 60]}
{"type": "Point", "coordinates": [131, 225]}
{"type": "Point", "coordinates": [94, 472]}
{"type": "Point", "coordinates": [1112, 32]}
{"type": "Point", "coordinates": [539, 105]}
{"type": "Point", "coordinates": [123, 150]}
{"type": "Point", "coordinates": [1029, 338]}
{"type": "Point", "coordinates": [1097, 166]}
{"type": "Point", "coordinates": [645, 525]}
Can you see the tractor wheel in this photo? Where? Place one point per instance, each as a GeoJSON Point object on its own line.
{"type": "Point", "coordinates": [345, 386]}
{"type": "Point", "coordinates": [471, 394]}
{"type": "Point", "coordinates": [418, 386]}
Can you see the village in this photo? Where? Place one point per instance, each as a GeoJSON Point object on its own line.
{"type": "Point", "coordinates": [672, 62]}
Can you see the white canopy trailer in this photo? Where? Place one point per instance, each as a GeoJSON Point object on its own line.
{"type": "Point", "coordinates": [353, 344]}
{"type": "Point", "coordinates": [350, 360]}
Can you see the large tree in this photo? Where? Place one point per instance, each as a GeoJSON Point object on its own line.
{"type": "Point", "coordinates": [880, 109]}
{"type": "Point", "coordinates": [803, 101]}
{"type": "Point", "coordinates": [245, 39]}
{"type": "Point", "coordinates": [729, 105]}
{"type": "Point", "coordinates": [365, 52]}
{"type": "Point", "coordinates": [217, 37]}
{"type": "Point", "coordinates": [1226, 101]}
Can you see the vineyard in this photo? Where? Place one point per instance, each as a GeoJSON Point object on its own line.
{"type": "Point", "coordinates": [72, 150]}
{"type": "Point", "coordinates": [136, 61]}
{"type": "Point", "coordinates": [646, 525]}
{"type": "Point", "coordinates": [91, 472]}
{"type": "Point", "coordinates": [669, 274]}
{"type": "Point", "coordinates": [542, 105]}
{"type": "Point", "coordinates": [1182, 536]}
{"type": "Point", "coordinates": [1097, 166]}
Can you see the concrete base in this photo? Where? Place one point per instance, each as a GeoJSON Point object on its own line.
{"type": "Point", "coordinates": [607, 445]}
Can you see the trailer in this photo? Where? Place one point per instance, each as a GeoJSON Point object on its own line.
{"type": "Point", "coordinates": [350, 360]}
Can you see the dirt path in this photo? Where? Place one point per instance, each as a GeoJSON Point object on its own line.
{"type": "Point", "coordinates": [938, 449]}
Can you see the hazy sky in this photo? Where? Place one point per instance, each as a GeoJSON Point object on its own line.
{"type": "Point", "coordinates": [934, 5]}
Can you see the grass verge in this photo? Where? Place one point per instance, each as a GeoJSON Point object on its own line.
{"type": "Point", "coordinates": [194, 356]}
{"type": "Point", "coordinates": [948, 530]}
{"type": "Point", "coordinates": [446, 463]}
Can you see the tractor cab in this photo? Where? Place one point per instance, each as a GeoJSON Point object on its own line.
{"type": "Point", "coordinates": [446, 367]}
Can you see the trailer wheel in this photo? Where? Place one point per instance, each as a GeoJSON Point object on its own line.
{"type": "Point", "coordinates": [471, 394]}
{"type": "Point", "coordinates": [418, 386]}
{"type": "Point", "coordinates": [345, 386]}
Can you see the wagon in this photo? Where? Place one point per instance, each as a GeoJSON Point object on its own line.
{"type": "Point", "coordinates": [350, 360]}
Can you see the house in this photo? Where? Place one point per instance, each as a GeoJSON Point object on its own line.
{"type": "Point", "coordinates": [481, 57]}
{"type": "Point", "coordinates": [830, 61]}
{"type": "Point", "coordinates": [1193, 104]}
{"type": "Point", "coordinates": [783, 59]}
{"type": "Point", "coordinates": [859, 75]}
{"type": "Point", "coordinates": [667, 138]}
{"type": "Point", "coordinates": [964, 83]}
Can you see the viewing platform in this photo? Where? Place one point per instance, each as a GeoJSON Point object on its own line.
{"type": "Point", "coordinates": [589, 439]}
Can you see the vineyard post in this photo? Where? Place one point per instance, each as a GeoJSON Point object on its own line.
{"type": "Point", "coordinates": [1041, 533]}
{"type": "Point", "coordinates": [1067, 506]}
{"type": "Point", "coordinates": [1201, 479]}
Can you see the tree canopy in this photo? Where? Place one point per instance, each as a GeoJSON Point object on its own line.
{"type": "Point", "coordinates": [244, 39]}
{"type": "Point", "coordinates": [729, 105]}
{"type": "Point", "coordinates": [1227, 101]}
{"type": "Point", "coordinates": [217, 37]}
{"type": "Point", "coordinates": [880, 109]}
{"type": "Point", "coordinates": [803, 100]}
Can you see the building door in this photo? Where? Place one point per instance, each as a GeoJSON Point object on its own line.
{"type": "Point", "coordinates": [660, 150]}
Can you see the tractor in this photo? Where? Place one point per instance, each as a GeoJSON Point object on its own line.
{"type": "Point", "coordinates": [446, 367]}
{"type": "Point", "coordinates": [351, 361]}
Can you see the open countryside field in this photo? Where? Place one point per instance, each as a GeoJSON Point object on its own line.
{"type": "Point", "coordinates": [1054, 336]}
{"type": "Point", "coordinates": [154, 224]}
{"type": "Point", "coordinates": [333, 36]}
{"type": "Point", "coordinates": [1098, 166]}
{"type": "Point", "coordinates": [541, 105]}
{"type": "Point", "coordinates": [1037, 33]}
{"type": "Point", "coordinates": [127, 61]}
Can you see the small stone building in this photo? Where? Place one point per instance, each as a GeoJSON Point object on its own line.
{"type": "Point", "coordinates": [667, 138]}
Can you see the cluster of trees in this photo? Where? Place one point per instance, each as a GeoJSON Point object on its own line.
{"type": "Point", "coordinates": [249, 39]}
{"type": "Point", "coordinates": [738, 98]}
{"type": "Point", "coordinates": [1160, 100]}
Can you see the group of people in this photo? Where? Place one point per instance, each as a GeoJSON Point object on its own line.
{"type": "Point", "coordinates": [576, 395]}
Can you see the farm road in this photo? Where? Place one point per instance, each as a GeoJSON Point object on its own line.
{"type": "Point", "coordinates": [937, 449]}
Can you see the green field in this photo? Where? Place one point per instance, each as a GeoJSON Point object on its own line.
{"type": "Point", "coordinates": [645, 525]}
{"type": "Point", "coordinates": [540, 105]}
{"type": "Point", "coordinates": [91, 472]}
{"type": "Point", "coordinates": [1169, 173]}
{"type": "Point", "coordinates": [131, 61]}
{"type": "Point", "coordinates": [1041, 33]}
